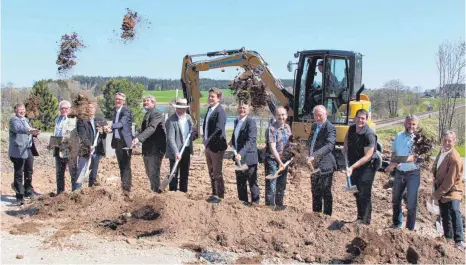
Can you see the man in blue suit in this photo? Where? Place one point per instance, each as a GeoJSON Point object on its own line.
{"type": "Point", "coordinates": [244, 140]}
{"type": "Point", "coordinates": [122, 139]}
{"type": "Point", "coordinates": [21, 151]}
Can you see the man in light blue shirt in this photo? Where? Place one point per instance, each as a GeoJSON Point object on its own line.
{"type": "Point", "coordinates": [407, 174]}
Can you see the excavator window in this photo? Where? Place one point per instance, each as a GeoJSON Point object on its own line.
{"type": "Point", "coordinates": [310, 90]}
{"type": "Point", "coordinates": [337, 89]}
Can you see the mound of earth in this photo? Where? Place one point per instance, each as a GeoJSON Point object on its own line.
{"type": "Point", "coordinates": [187, 220]}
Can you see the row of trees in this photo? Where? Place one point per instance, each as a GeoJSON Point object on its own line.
{"type": "Point", "coordinates": [42, 100]}
{"type": "Point", "coordinates": [158, 84]}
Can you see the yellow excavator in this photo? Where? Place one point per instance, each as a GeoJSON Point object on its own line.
{"type": "Point", "coordinates": [323, 77]}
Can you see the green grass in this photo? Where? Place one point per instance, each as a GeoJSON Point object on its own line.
{"type": "Point", "coordinates": [169, 95]}
{"type": "Point", "coordinates": [462, 150]}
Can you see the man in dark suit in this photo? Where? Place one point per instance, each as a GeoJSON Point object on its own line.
{"type": "Point", "coordinates": [21, 151]}
{"type": "Point", "coordinates": [321, 143]}
{"type": "Point", "coordinates": [153, 141]}
{"type": "Point", "coordinates": [215, 143]}
{"type": "Point", "coordinates": [244, 140]}
{"type": "Point", "coordinates": [122, 139]}
{"type": "Point", "coordinates": [178, 126]}
{"type": "Point", "coordinates": [87, 131]}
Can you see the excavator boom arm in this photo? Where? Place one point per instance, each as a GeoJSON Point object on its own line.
{"type": "Point", "coordinates": [250, 61]}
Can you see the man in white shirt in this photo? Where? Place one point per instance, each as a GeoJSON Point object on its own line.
{"type": "Point", "coordinates": [61, 159]}
{"type": "Point", "coordinates": [244, 140]}
{"type": "Point", "coordinates": [178, 127]}
{"type": "Point", "coordinates": [122, 140]}
{"type": "Point", "coordinates": [215, 143]}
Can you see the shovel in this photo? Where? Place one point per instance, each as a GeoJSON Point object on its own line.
{"type": "Point", "coordinates": [239, 167]}
{"type": "Point", "coordinates": [169, 178]}
{"type": "Point", "coordinates": [84, 175]}
{"type": "Point", "coordinates": [350, 187]}
{"type": "Point", "coordinates": [274, 176]}
{"type": "Point", "coordinates": [433, 208]}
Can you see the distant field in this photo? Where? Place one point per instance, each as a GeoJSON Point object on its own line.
{"type": "Point", "coordinates": [168, 95]}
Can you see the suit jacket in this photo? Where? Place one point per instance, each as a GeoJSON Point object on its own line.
{"type": "Point", "coordinates": [216, 130]}
{"type": "Point", "coordinates": [87, 138]}
{"type": "Point", "coordinates": [125, 121]}
{"type": "Point", "coordinates": [152, 134]}
{"type": "Point", "coordinates": [175, 136]}
{"type": "Point", "coordinates": [247, 141]}
{"type": "Point", "coordinates": [19, 139]}
{"type": "Point", "coordinates": [323, 147]}
{"type": "Point", "coordinates": [448, 178]}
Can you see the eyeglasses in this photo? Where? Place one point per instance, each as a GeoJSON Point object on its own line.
{"type": "Point", "coordinates": [64, 108]}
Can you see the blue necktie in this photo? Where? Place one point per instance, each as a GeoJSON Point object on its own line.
{"type": "Point", "coordinates": [315, 133]}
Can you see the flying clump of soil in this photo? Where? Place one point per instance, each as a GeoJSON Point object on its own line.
{"type": "Point", "coordinates": [422, 145]}
{"type": "Point", "coordinates": [131, 20]}
{"type": "Point", "coordinates": [69, 45]}
{"type": "Point", "coordinates": [250, 90]}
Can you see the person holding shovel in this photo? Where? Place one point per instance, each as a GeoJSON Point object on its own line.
{"type": "Point", "coordinates": [277, 141]}
{"type": "Point", "coordinates": [244, 143]}
{"type": "Point", "coordinates": [179, 126]}
{"type": "Point", "coordinates": [153, 139]}
{"type": "Point", "coordinates": [87, 129]}
{"type": "Point", "coordinates": [321, 144]}
{"type": "Point", "coordinates": [449, 189]}
{"type": "Point", "coordinates": [359, 147]}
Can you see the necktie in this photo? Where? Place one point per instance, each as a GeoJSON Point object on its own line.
{"type": "Point", "coordinates": [315, 134]}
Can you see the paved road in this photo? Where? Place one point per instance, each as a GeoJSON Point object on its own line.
{"type": "Point", "coordinates": [389, 122]}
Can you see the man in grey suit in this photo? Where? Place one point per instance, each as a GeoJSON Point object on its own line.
{"type": "Point", "coordinates": [153, 141]}
{"type": "Point", "coordinates": [121, 141]}
{"type": "Point", "coordinates": [21, 151]}
{"type": "Point", "coordinates": [178, 126]}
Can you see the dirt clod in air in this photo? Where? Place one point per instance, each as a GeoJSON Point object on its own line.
{"type": "Point", "coordinates": [69, 45]}
{"type": "Point", "coordinates": [131, 22]}
{"type": "Point", "coordinates": [422, 145]}
{"type": "Point", "coordinates": [250, 90]}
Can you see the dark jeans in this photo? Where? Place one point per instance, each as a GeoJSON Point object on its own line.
{"type": "Point", "coordinates": [152, 165]}
{"type": "Point", "coordinates": [410, 180]}
{"type": "Point", "coordinates": [23, 166]}
{"type": "Point", "coordinates": [249, 176]}
{"type": "Point", "coordinates": [322, 192]}
{"type": "Point", "coordinates": [94, 168]}
{"type": "Point", "coordinates": [60, 167]}
{"type": "Point", "coordinates": [363, 179]}
{"type": "Point", "coordinates": [451, 220]}
{"type": "Point", "coordinates": [274, 188]}
{"type": "Point", "coordinates": [183, 170]}
{"type": "Point", "coordinates": [124, 163]}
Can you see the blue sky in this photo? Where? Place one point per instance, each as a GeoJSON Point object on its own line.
{"type": "Point", "coordinates": [398, 39]}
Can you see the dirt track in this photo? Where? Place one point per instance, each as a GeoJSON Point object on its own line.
{"type": "Point", "coordinates": [255, 234]}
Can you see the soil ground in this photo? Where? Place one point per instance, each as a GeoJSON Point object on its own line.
{"type": "Point", "coordinates": [100, 224]}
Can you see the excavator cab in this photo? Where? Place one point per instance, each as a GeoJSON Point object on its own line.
{"type": "Point", "coordinates": [331, 78]}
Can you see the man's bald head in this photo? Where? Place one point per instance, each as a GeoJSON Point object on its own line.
{"type": "Point", "coordinates": [281, 114]}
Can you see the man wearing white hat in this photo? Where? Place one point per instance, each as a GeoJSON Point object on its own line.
{"type": "Point", "coordinates": [178, 127]}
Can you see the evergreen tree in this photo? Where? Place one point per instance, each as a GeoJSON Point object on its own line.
{"type": "Point", "coordinates": [47, 106]}
{"type": "Point", "coordinates": [133, 94]}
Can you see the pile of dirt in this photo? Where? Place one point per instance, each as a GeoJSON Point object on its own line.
{"type": "Point", "coordinates": [250, 90]}
{"type": "Point", "coordinates": [130, 21]}
{"type": "Point", "coordinates": [69, 45]}
{"type": "Point", "coordinates": [232, 226]}
{"type": "Point", "coordinates": [179, 219]}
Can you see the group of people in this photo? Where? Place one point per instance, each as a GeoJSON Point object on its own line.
{"type": "Point", "coordinates": [160, 138]}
